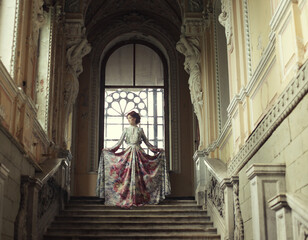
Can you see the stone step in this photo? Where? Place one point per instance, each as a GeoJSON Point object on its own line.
{"type": "Point", "coordinates": [133, 212]}
{"type": "Point", "coordinates": [127, 217]}
{"type": "Point", "coordinates": [157, 235]}
{"type": "Point", "coordinates": [130, 231]}
{"type": "Point", "coordinates": [83, 206]}
{"type": "Point", "coordinates": [86, 218]}
{"type": "Point", "coordinates": [93, 200]}
{"type": "Point", "coordinates": [132, 224]}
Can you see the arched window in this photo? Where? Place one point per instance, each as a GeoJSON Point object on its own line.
{"type": "Point", "coordinates": [134, 79]}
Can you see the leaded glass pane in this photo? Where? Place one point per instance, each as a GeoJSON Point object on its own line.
{"type": "Point", "coordinates": [149, 67]}
{"type": "Point", "coordinates": [119, 67]}
{"type": "Point", "coordinates": [125, 100]}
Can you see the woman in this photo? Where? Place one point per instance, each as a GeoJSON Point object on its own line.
{"type": "Point", "coordinates": [132, 177]}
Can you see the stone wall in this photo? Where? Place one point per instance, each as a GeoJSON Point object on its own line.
{"type": "Point", "coordinates": [286, 145]}
{"type": "Point", "coordinates": [18, 165]}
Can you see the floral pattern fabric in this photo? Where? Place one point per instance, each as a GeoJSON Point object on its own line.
{"type": "Point", "coordinates": [132, 177]}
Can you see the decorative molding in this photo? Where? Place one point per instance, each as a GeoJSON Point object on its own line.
{"type": "Point", "coordinates": [291, 96]}
{"type": "Point", "coordinates": [217, 67]}
{"type": "Point", "coordinates": [220, 138]}
{"type": "Point", "coordinates": [51, 32]}
{"type": "Point", "coordinates": [265, 59]}
{"type": "Point", "coordinates": [247, 38]}
{"type": "Point", "coordinates": [279, 13]}
{"type": "Point", "coordinates": [15, 35]}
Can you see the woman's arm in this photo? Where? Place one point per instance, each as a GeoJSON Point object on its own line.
{"type": "Point", "coordinates": [115, 147]}
{"type": "Point", "coordinates": [149, 145]}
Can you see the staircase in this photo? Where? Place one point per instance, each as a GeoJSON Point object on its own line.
{"type": "Point", "coordinates": [87, 218]}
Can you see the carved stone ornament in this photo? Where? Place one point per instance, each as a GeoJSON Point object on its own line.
{"type": "Point", "coordinates": [216, 195]}
{"type": "Point", "coordinates": [47, 195]}
{"type": "Point", "coordinates": [195, 5]}
{"type": "Point", "coordinates": [189, 47]}
{"type": "Point", "coordinates": [76, 50]}
{"type": "Point", "coordinates": [225, 19]}
{"type": "Point", "coordinates": [38, 18]}
{"type": "Point", "coordinates": [238, 220]}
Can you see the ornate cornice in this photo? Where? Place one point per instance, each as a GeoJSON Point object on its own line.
{"type": "Point", "coordinates": [290, 97]}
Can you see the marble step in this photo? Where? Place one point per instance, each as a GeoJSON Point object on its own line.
{"type": "Point", "coordinates": [133, 212]}
{"type": "Point", "coordinates": [176, 236]}
{"type": "Point", "coordinates": [130, 231]}
{"type": "Point", "coordinates": [163, 224]}
{"type": "Point", "coordinates": [127, 217]}
{"type": "Point", "coordinates": [94, 206]}
{"type": "Point", "coordinates": [93, 200]}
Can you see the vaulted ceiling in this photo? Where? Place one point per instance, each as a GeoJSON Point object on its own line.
{"type": "Point", "coordinates": [105, 18]}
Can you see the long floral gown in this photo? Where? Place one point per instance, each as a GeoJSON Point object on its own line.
{"type": "Point", "coordinates": [132, 177]}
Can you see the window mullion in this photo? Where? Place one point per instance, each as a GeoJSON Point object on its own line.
{"type": "Point", "coordinates": [134, 64]}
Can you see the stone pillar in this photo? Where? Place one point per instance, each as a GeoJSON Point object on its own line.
{"type": "Point", "coordinates": [26, 220]}
{"type": "Point", "coordinates": [266, 181]}
{"type": "Point", "coordinates": [4, 172]}
{"type": "Point", "coordinates": [227, 187]}
{"type": "Point", "coordinates": [283, 216]}
{"type": "Point", "coordinates": [200, 172]}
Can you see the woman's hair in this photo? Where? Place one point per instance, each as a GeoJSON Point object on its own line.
{"type": "Point", "coordinates": [134, 115]}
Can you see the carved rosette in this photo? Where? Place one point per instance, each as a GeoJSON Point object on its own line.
{"type": "Point", "coordinates": [225, 19]}
{"type": "Point", "coordinates": [216, 195]}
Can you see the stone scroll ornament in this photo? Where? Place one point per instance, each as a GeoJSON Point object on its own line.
{"type": "Point", "coordinates": [225, 19]}
{"type": "Point", "coordinates": [189, 47]}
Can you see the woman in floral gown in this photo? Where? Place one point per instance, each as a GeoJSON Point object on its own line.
{"type": "Point", "coordinates": [132, 177]}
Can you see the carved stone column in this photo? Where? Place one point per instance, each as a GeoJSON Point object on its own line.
{"type": "Point", "coordinates": [194, 24]}
{"type": "Point", "coordinates": [200, 181]}
{"type": "Point", "coordinates": [77, 47]}
{"type": "Point", "coordinates": [266, 181]}
{"type": "Point", "coordinates": [4, 172]}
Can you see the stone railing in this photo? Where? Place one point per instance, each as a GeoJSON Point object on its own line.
{"type": "Point", "coordinates": [218, 193]}
{"type": "Point", "coordinates": [42, 197]}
